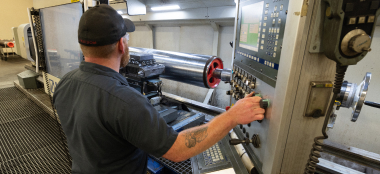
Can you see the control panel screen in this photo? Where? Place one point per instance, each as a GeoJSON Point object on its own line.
{"type": "Point", "coordinates": [251, 26]}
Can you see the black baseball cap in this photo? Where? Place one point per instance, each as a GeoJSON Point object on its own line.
{"type": "Point", "coordinates": [102, 25]}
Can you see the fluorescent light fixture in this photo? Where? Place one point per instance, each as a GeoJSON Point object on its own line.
{"type": "Point", "coordinates": [171, 7]}
{"type": "Point", "coordinates": [120, 12]}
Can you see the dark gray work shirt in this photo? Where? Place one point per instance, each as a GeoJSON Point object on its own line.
{"type": "Point", "coordinates": [110, 127]}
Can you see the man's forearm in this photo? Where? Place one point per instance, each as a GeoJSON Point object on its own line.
{"type": "Point", "coordinates": [195, 140]}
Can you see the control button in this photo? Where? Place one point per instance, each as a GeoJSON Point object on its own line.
{"type": "Point", "coordinates": [264, 24]}
{"type": "Point", "coordinates": [349, 7]}
{"type": "Point", "coordinates": [277, 36]}
{"type": "Point", "coordinates": [266, 11]}
{"type": "Point", "coordinates": [371, 19]}
{"type": "Point", "coordinates": [244, 130]}
{"type": "Point", "coordinates": [281, 7]}
{"type": "Point", "coordinates": [271, 15]}
{"type": "Point", "coordinates": [279, 21]}
{"type": "Point", "coordinates": [261, 47]}
{"type": "Point", "coordinates": [275, 43]}
{"type": "Point", "coordinates": [277, 14]}
{"type": "Point", "coordinates": [274, 55]}
{"type": "Point", "coordinates": [374, 5]}
{"type": "Point", "coordinates": [265, 18]}
{"type": "Point", "coordinates": [352, 21]}
{"type": "Point", "coordinates": [274, 21]}
{"type": "Point", "coordinates": [278, 30]}
{"type": "Point", "coordinates": [267, 5]}
{"type": "Point", "coordinates": [263, 36]}
{"type": "Point", "coordinates": [275, 8]}
{"type": "Point", "coordinates": [241, 126]}
{"type": "Point", "coordinates": [264, 30]}
{"type": "Point", "coordinates": [275, 49]}
{"type": "Point", "coordinates": [262, 41]}
{"type": "Point", "coordinates": [249, 124]}
{"type": "Point", "coordinates": [247, 135]}
{"type": "Point", "coordinates": [361, 20]}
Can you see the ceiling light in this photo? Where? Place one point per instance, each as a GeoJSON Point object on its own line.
{"type": "Point", "coordinates": [171, 7]}
{"type": "Point", "coordinates": [120, 12]}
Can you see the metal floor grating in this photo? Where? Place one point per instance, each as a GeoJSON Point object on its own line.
{"type": "Point", "coordinates": [30, 140]}
{"type": "Point", "coordinates": [183, 167]}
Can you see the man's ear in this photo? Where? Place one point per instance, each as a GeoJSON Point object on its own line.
{"type": "Point", "coordinates": [121, 46]}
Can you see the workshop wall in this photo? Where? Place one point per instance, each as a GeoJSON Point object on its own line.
{"type": "Point", "coordinates": [13, 14]}
{"type": "Point", "coordinates": [189, 39]}
{"type": "Point", "coordinates": [364, 133]}
{"type": "Point", "coordinates": [48, 3]}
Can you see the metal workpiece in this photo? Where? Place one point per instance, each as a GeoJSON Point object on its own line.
{"type": "Point", "coordinates": [194, 69]}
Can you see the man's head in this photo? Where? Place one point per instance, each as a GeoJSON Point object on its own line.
{"type": "Point", "coordinates": [103, 34]}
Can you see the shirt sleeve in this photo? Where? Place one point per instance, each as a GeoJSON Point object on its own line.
{"type": "Point", "coordinates": [141, 125]}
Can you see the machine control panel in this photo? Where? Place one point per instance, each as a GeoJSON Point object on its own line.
{"type": "Point", "coordinates": [348, 29]}
{"type": "Point", "coordinates": [259, 39]}
{"type": "Point", "coordinates": [260, 33]}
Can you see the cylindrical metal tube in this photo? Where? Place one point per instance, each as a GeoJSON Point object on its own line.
{"type": "Point", "coordinates": [244, 156]}
{"type": "Point", "coordinates": [223, 74]}
{"type": "Point", "coordinates": [194, 69]}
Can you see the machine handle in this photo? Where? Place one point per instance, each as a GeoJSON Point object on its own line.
{"type": "Point", "coordinates": [373, 104]}
{"type": "Point", "coordinates": [236, 141]}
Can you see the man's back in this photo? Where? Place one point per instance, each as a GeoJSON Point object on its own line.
{"type": "Point", "coordinates": [109, 125]}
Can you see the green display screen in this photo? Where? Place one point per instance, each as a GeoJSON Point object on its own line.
{"type": "Point", "coordinates": [250, 26]}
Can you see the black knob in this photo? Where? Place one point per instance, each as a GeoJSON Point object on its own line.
{"type": "Point", "coordinates": [243, 130]}
{"type": "Point", "coordinates": [259, 121]}
{"type": "Point", "coordinates": [229, 92]}
{"type": "Point", "coordinates": [247, 135]}
{"type": "Point", "coordinates": [264, 103]}
{"type": "Point", "coordinates": [249, 124]}
{"type": "Point", "coordinates": [241, 126]}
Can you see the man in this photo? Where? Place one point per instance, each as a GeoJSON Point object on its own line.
{"type": "Point", "coordinates": [111, 127]}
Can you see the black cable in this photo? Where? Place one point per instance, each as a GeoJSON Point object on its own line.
{"type": "Point", "coordinates": [60, 130]}
{"type": "Point", "coordinates": [311, 165]}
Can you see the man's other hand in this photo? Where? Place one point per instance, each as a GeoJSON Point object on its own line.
{"type": "Point", "coordinates": [247, 110]}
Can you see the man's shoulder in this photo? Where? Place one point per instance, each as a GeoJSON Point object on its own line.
{"type": "Point", "coordinates": [129, 95]}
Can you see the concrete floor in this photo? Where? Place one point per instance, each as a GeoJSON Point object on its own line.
{"type": "Point", "coordinates": [9, 70]}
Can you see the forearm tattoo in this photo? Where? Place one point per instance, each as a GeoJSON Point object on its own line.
{"type": "Point", "coordinates": [195, 136]}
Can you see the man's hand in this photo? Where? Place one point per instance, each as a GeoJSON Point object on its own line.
{"type": "Point", "coordinates": [247, 110]}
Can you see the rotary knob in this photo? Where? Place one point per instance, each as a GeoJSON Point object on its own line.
{"type": "Point", "coordinates": [252, 85]}
{"type": "Point", "coordinates": [360, 43]}
{"type": "Point", "coordinates": [356, 42]}
{"type": "Point", "coordinates": [264, 103]}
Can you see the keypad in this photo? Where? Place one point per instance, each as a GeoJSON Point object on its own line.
{"type": "Point", "coordinates": [213, 155]}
